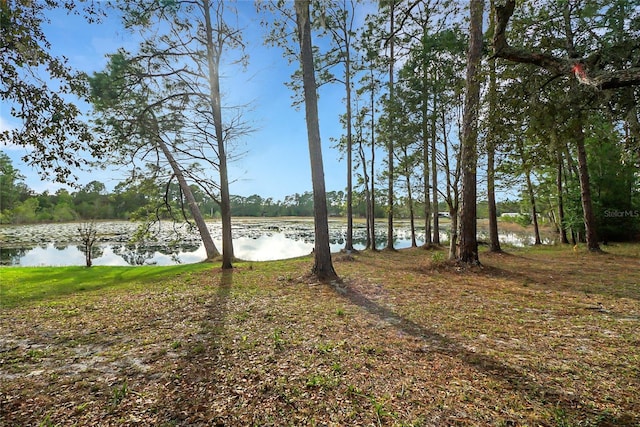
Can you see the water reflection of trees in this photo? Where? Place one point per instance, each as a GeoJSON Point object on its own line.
{"type": "Point", "coordinates": [169, 246]}
{"type": "Point", "coordinates": [135, 254]}
{"type": "Point", "coordinates": [360, 239]}
{"type": "Point", "coordinates": [144, 253]}
{"type": "Point", "coordinates": [12, 256]}
{"type": "Point", "coordinates": [96, 250]}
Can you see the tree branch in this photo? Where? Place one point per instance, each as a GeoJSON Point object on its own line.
{"type": "Point", "coordinates": [595, 76]}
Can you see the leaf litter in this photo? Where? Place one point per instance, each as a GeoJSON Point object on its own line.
{"type": "Point", "coordinates": [535, 337]}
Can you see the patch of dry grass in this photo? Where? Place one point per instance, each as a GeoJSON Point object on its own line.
{"type": "Point", "coordinates": [534, 337]}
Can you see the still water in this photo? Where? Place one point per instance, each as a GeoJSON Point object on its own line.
{"type": "Point", "coordinates": [253, 240]}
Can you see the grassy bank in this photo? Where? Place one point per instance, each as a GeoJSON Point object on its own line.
{"type": "Point", "coordinates": [544, 336]}
{"type": "Point", "coordinates": [22, 285]}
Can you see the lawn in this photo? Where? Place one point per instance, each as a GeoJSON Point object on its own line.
{"type": "Point", "coordinates": [22, 285]}
{"type": "Point", "coordinates": [543, 336]}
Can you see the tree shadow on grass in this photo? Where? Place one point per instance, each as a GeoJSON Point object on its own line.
{"type": "Point", "coordinates": [517, 380]}
{"type": "Point", "coordinates": [568, 274]}
{"type": "Point", "coordinates": [565, 279]}
{"type": "Point", "coordinates": [188, 398]}
{"type": "Point", "coordinates": [214, 325]}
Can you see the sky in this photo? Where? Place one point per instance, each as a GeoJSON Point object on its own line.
{"type": "Point", "coordinates": [276, 160]}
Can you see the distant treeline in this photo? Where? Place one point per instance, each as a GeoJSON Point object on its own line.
{"type": "Point", "coordinates": [21, 205]}
{"type": "Point", "coordinates": [618, 216]}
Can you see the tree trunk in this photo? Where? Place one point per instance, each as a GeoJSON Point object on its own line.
{"type": "Point", "coordinates": [534, 211]}
{"type": "Point", "coordinates": [452, 196]}
{"type": "Point", "coordinates": [367, 194]}
{"type": "Point", "coordinates": [468, 253]}
{"type": "Point", "coordinates": [563, 230]}
{"type": "Point", "coordinates": [425, 168]}
{"type": "Point", "coordinates": [411, 212]}
{"type": "Point", "coordinates": [323, 267]}
{"type": "Point", "coordinates": [585, 188]}
{"type": "Point", "coordinates": [209, 247]}
{"type": "Point", "coordinates": [560, 164]}
{"type": "Point", "coordinates": [213, 55]}
{"type": "Point", "coordinates": [373, 161]}
{"type": "Point", "coordinates": [494, 240]}
{"type": "Point", "coordinates": [532, 199]}
{"type": "Point", "coordinates": [390, 141]}
{"type": "Point", "coordinates": [434, 177]}
{"type": "Point", "coordinates": [453, 240]}
{"type": "Point", "coordinates": [583, 171]}
{"type": "Point", "coordinates": [347, 80]}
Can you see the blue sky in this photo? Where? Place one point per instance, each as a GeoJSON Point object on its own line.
{"type": "Point", "coordinates": [276, 162]}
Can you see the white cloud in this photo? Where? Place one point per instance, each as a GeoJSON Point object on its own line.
{"type": "Point", "coordinates": [4, 124]}
{"type": "Point", "coordinates": [7, 125]}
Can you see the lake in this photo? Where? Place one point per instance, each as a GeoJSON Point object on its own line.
{"type": "Point", "coordinates": [255, 239]}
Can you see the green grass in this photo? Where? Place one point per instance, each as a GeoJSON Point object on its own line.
{"type": "Point", "coordinates": [24, 285]}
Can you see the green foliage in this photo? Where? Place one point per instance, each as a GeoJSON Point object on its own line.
{"type": "Point", "coordinates": [524, 219]}
{"type": "Point", "coordinates": [6, 217]}
{"type": "Point", "coordinates": [278, 341]}
{"type": "Point", "coordinates": [145, 200]}
{"type": "Point", "coordinates": [323, 381]}
{"type": "Point", "coordinates": [47, 422]}
{"type": "Point", "coordinates": [64, 213]}
{"type": "Point", "coordinates": [482, 209]}
{"type": "Point", "coordinates": [26, 212]}
{"type": "Point", "coordinates": [540, 114]}
{"type": "Point", "coordinates": [9, 176]}
{"type": "Point", "coordinates": [119, 393]}
{"type": "Point", "coordinates": [37, 87]}
{"type": "Point", "coordinates": [614, 183]}
{"type": "Point", "coordinates": [533, 107]}
{"type": "Point", "coordinates": [437, 259]}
